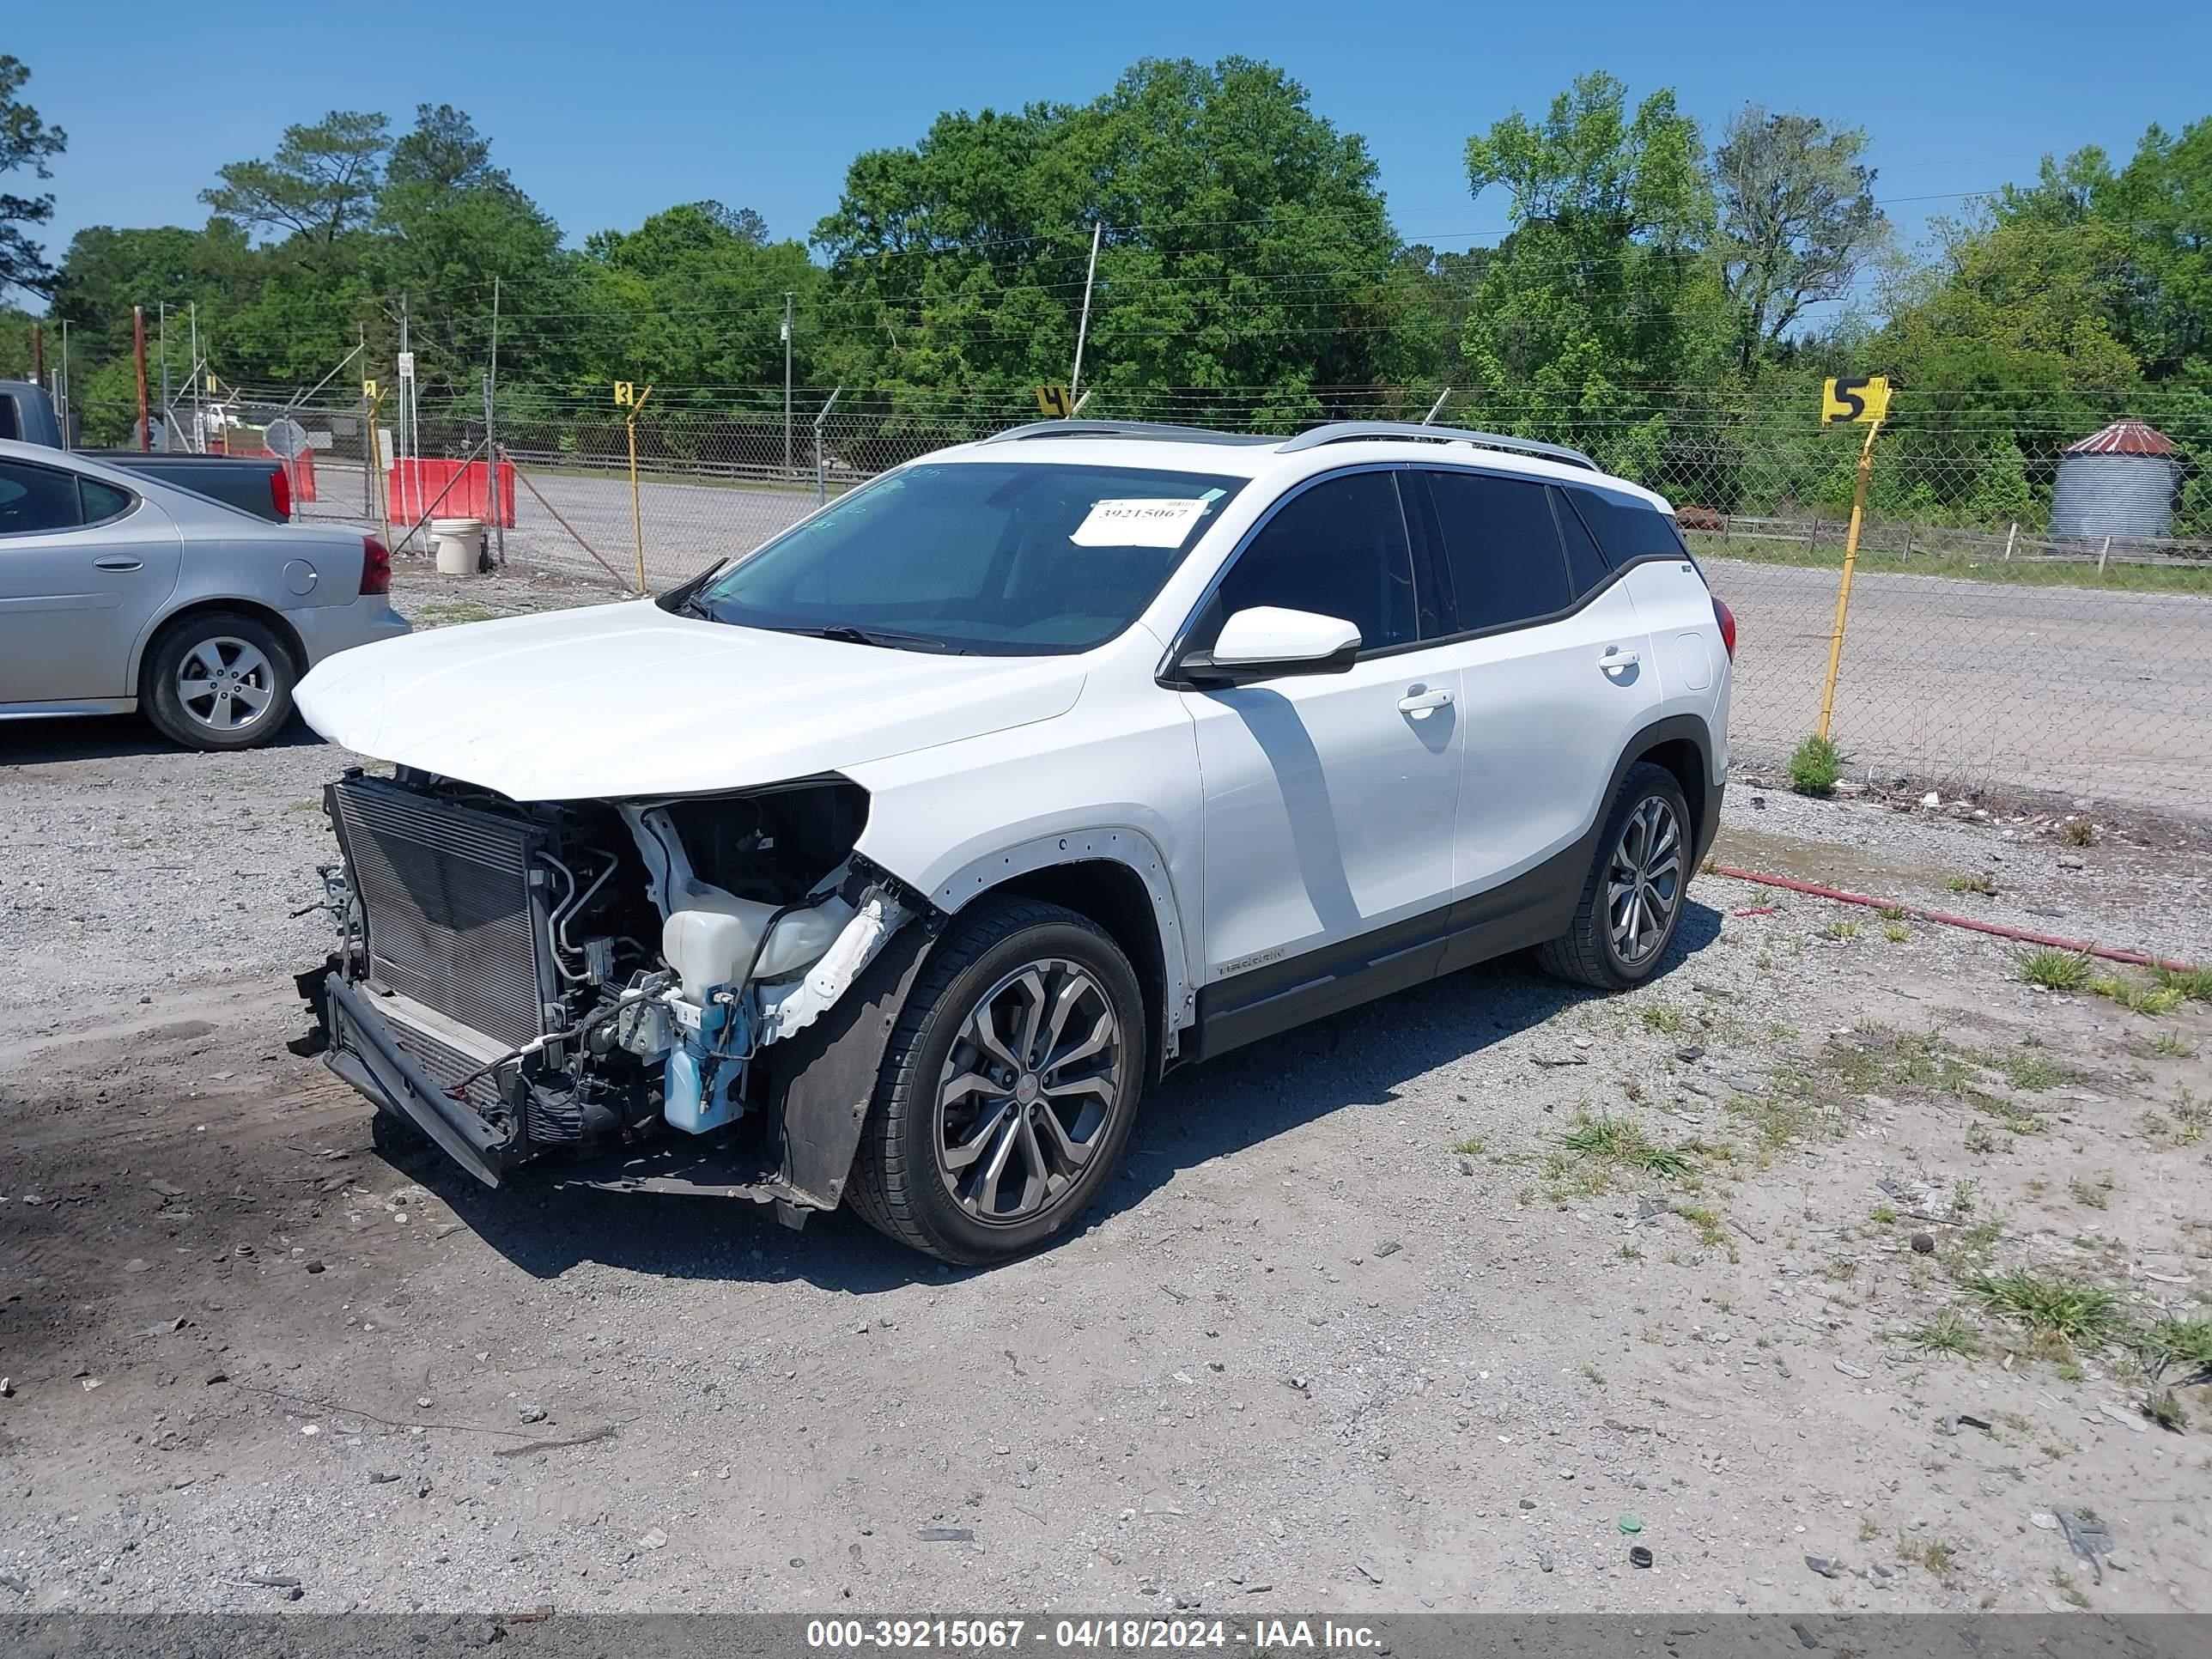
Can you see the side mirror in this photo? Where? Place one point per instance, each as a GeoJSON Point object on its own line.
{"type": "Point", "coordinates": [1268, 642]}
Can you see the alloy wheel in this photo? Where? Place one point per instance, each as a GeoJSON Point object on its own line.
{"type": "Point", "coordinates": [1644, 885]}
{"type": "Point", "coordinates": [1031, 1086]}
{"type": "Point", "coordinates": [225, 684]}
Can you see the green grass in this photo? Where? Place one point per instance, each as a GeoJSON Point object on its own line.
{"type": "Point", "coordinates": [2133, 578]}
{"type": "Point", "coordinates": [2093, 1193]}
{"type": "Point", "coordinates": [1663, 1018]}
{"type": "Point", "coordinates": [1950, 1333]}
{"type": "Point", "coordinates": [2073, 1313]}
{"type": "Point", "coordinates": [2171, 1046]}
{"type": "Point", "coordinates": [448, 613]}
{"type": "Point", "coordinates": [2149, 1000]}
{"type": "Point", "coordinates": [1621, 1141]}
{"type": "Point", "coordinates": [1978, 881]}
{"type": "Point", "coordinates": [2186, 1343]}
{"type": "Point", "coordinates": [2078, 832]}
{"type": "Point", "coordinates": [2054, 970]}
{"type": "Point", "coordinates": [1472, 1147]}
{"type": "Point", "coordinates": [2193, 983]}
{"type": "Point", "coordinates": [1816, 766]}
{"type": "Point", "coordinates": [1842, 930]}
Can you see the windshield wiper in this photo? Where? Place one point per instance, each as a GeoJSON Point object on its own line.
{"type": "Point", "coordinates": [889, 639]}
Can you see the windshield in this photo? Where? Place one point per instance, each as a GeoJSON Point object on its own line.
{"type": "Point", "coordinates": [1002, 558]}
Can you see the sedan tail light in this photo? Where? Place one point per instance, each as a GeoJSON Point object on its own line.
{"type": "Point", "coordinates": [1726, 619]}
{"type": "Point", "coordinates": [280, 493]}
{"type": "Point", "coordinates": [376, 571]}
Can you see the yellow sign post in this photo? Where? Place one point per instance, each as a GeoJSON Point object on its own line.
{"type": "Point", "coordinates": [1054, 401]}
{"type": "Point", "coordinates": [627, 396]}
{"type": "Point", "coordinates": [1843, 403]}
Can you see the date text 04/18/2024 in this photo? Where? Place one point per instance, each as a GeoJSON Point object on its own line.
{"type": "Point", "coordinates": [1096, 1634]}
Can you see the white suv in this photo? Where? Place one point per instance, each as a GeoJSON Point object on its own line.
{"type": "Point", "coordinates": [891, 862]}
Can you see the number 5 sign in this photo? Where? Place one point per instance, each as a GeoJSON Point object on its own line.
{"type": "Point", "coordinates": [1864, 398]}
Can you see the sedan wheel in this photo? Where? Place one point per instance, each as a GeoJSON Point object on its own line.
{"type": "Point", "coordinates": [1029, 1092]}
{"type": "Point", "coordinates": [226, 685]}
{"type": "Point", "coordinates": [218, 679]}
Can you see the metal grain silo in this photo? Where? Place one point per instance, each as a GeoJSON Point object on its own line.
{"type": "Point", "coordinates": [2120, 481]}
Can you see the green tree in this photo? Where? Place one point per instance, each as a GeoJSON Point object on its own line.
{"type": "Point", "coordinates": [321, 182]}
{"type": "Point", "coordinates": [692, 302]}
{"type": "Point", "coordinates": [1248, 269]}
{"type": "Point", "coordinates": [1797, 221]}
{"type": "Point", "coordinates": [449, 223]}
{"type": "Point", "coordinates": [2164, 196]}
{"type": "Point", "coordinates": [1602, 284]}
{"type": "Point", "coordinates": [26, 141]}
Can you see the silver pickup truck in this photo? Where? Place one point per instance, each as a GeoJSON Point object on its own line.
{"type": "Point", "coordinates": [253, 484]}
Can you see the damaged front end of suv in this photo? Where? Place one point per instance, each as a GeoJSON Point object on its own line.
{"type": "Point", "coordinates": [686, 993]}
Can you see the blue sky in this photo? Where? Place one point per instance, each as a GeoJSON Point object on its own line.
{"type": "Point", "coordinates": [606, 112]}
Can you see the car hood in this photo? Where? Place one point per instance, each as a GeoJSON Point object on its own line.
{"type": "Point", "coordinates": [626, 700]}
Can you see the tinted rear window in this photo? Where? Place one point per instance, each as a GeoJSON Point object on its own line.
{"type": "Point", "coordinates": [1626, 529]}
{"type": "Point", "coordinates": [1501, 547]}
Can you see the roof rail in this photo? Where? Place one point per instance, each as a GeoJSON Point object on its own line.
{"type": "Point", "coordinates": [1344, 432]}
{"type": "Point", "coordinates": [1071, 428]}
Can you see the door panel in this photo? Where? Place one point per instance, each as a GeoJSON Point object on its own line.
{"type": "Point", "coordinates": [1329, 809]}
{"type": "Point", "coordinates": [1330, 798]}
{"type": "Point", "coordinates": [1549, 709]}
{"type": "Point", "coordinates": [73, 601]}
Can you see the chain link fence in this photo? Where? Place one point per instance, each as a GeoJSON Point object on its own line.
{"type": "Point", "coordinates": [1983, 651]}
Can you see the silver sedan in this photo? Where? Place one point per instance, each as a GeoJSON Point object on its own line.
{"type": "Point", "coordinates": [119, 593]}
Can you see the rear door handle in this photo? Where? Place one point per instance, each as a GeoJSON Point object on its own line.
{"type": "Point", "coordinates": [118, 561]}
{"type": "Point", "coordinates": [1614, 661]}
{"type": "Point", "coordinates": [1418, 703]}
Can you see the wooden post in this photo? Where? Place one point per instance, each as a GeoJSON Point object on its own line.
{"type": "Point", "coordinates": [138, 350]}
{"type": "Point", "coordinates": [2011, 536]}
{"type": "Point", "coordinates": [2103, 554]}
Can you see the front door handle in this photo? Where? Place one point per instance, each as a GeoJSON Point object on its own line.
{"type": "Point", "coordinates": [1614, 661]}
{"type": "Point", "coordinates": [1418, 703]}
{"type": "Point", "coordinates": [118, 561]}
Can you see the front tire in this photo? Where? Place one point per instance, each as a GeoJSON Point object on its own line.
{"type": "Point", "coordinates": [1632, 903]}
{"type": "Point", "coordinates": [1009, 1088]}
{"type": "Point", "coordinates": [218, 680]}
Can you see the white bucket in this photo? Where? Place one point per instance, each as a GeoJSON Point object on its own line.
{"type": "Point", "coordinates": [459, 543]}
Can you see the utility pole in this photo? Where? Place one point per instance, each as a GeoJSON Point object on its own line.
{"type": "Point", "coordinates": [368, 480]}
{"type": "Point", "coordinates": [406, 401]}
{"type": "Point", "coordinates": [787, 383]}
{"type": "Point", "coordinates": [138, 353]}
{"type": "Point", "coordinates": [1083, 329]}
{"type": "Point", "coordinates": [38, 355]}
{"type": "Point", "coordinates": [63, 387]}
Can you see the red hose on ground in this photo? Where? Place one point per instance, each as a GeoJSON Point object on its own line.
{"type": "Point", "coordinates": [2080, 947]}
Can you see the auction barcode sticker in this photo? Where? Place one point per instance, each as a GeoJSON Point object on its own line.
{"type": "Point", "coordinates": [1152, 523]}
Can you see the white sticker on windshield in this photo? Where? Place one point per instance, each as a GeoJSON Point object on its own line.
{"type": "Point", "coordinates": [1138, 522]}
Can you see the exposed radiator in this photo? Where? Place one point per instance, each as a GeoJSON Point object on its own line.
{"type": "Point", "coordinates": [453, 921]}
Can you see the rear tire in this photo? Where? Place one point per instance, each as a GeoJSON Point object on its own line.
{"type": "Point", "coordinates": [1009, 1087]}
{"type": "Point", "coordinates": [1632, 901]}
{"type": "Point", "coordinates": [218, 680]}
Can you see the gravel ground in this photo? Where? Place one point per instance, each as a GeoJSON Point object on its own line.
{"type": "Point", "coordinates": [1408, 1311]}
